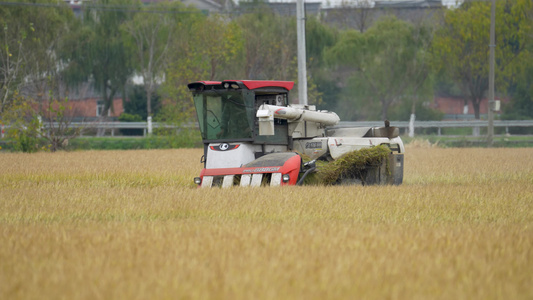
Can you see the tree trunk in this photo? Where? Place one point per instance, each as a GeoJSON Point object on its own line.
{"type": "Point", "coordinates": [384, 109]}
{"type": "Point", "coordinates": [476, 104]}
{"type": "Point", "coordinates": [149, 102]}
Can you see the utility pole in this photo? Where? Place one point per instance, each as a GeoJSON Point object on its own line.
{"type": "Point", "coordinates": [492, 46]}
{"type": "Point", "coordinates": [302, 68]}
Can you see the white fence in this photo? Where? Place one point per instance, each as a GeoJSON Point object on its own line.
{"type": "Point", "coordinates": [474, 125]}
{"type": "Point", "coordinates": [114, 127]}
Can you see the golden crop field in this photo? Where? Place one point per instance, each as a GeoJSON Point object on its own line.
{"type": "Point", "coordinates": [131, 225]}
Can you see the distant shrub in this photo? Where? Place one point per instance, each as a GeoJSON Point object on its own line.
{"type": "Point", "coordinates": [126, 117]}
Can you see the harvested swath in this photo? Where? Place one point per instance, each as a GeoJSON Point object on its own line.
{"type": "Point", "coordinates": [352, 165]}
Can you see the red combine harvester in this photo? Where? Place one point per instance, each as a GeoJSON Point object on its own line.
{"type": "Point", "coordinates": [253, 137]}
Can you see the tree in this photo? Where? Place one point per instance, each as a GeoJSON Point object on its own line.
{"type": "Point", "coordinates": [269, 45]}
{"type": "Point", "coordinates": [208, 48]}
{"type": "Point", "coordinates": [461, 47]}
{"type": "Point", "coordinates": [45, 78]}
{"type": "Point", "coordinates": [30, 47]}
{"type": "Point", "coordinates": [353, 14]}
{"type": "Point", "coordinates": [98, 52]}
{"type": "Point", "coordinates": [390, 61]}
{"type": "Point", "coordinates": [14, 46]}
{"type": "Point", "coordinates": [321, 82]}
{"type": "Point", "coordinates": [218, 43]}
{"type": "Point", "coordinates": [136, 102]}
{"type": "Point", "coordinates": [521, 106]}
{"type": "Point", "coordinates": [521, 89]}
{"type": "Point", "coordinates": [25, 127]}
{"type": "Point", "coordinates": [150, 35]}
{"type": "Point", "coordinates": [31, 68]}
{"type": "Point", "coordinates": [59, 115]}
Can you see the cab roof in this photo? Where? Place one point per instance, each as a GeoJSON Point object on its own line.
{"type": "Point", "coordinates": [249, 84]}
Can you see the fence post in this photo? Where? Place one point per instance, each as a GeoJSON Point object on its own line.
{"type": "Point", "coordinates": [412, 126]}
{"type": "Point", "coordinates": [475, 130]}
{"type": "Point", "coordinates": [2, 131]}
{"type": "Point", "coordinates": [40, 120]}
{"type": "Point", "coordinates": [149, 120]}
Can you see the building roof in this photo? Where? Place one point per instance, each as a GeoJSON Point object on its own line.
{"type": "Point", "coordinates": [286, 8]}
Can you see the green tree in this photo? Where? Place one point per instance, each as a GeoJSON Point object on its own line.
{"type": "Point", "coordinates": [46, 81]}
{"type": "Point", "coordinates": [208, 48]}
{"type": "Point", "coordinates": [521, 89]}
{"type": "Point", "coordinates": [321, 82]}
{"type": "Point", "coordinates": [25, 127]}
{"type": "Point", "coordinates": [59, 115]}
{"type": "Point", "coordinates": [461, 46]}
{"type": "Point", "coordinates": [31, 59]}
{"type": "Point", "coordinates": [150, 34]}
{"type": "Point", "coordinates": [136, 102]}
{"type": "Point", "coordinates": [390, 62]}
{"type": "Point", "coordinates": [269, 45]}
{"type": "Point", "coordinates": [521, 105]}
{"type": "Point", "coordinates": [354, 14]}
{"type": "Point", "coordinates": [30, 50]}
{"type": "Point", "coordinates": [16, 33]}
{"type": "Point", "coordinates": [98, 52]}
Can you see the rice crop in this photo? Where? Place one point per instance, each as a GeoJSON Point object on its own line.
{"type": "Point", "coordinates": [132, 225]}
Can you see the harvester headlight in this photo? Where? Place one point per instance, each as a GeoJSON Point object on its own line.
{"type": "Point", "coordinates": [226, 85]}
{"type": "Point", "coordinates": [285, 178]}
{"type": "Point", "coordinates": [197, 180]}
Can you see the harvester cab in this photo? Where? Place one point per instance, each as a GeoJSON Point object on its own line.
{"type": "Point", "coordinates": [253, 137]}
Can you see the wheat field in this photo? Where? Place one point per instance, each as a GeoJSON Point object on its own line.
{"type": "Point", "coordinates": [131, 225]}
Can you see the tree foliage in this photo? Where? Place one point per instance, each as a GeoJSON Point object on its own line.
{"type": "Point", "coordinates": [462, 48]}
{"type": "Point", "coordinates": [390, 61]}
{"type": "Point", "coordinates": [99, 53]}
{"type": "Point", "coordinates": [209, 48]}
{"type": "Point", "coordinates": [384, 69]}
{"type": "Point", "coordinates": [30, 50]}
{"type": "Point", "coordinates": [521, 87]}
{"type": "Point", "coordinates": [269, 45]}
{"type": "Point", "coordinates": [150, 37]}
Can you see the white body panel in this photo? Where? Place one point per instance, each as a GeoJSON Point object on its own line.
{"type": "Point", "coordinates": [301, 116]}
{"type": "Point", "coordinates": [245, 179]}
{"type": "Point", "coordinates": [293, 113]}
{"type": "Point", "coordinates": [233, 158]}
{"type": "Point", "coordinates": [276, 179]}
{"type": "Point", "coordinates": [348, 132]}
{"type": "Point", "coordinates": [314, 148]}
{"type": "Point", "coordinates": [207, 182]}
{"type": "Point", "coordinates": [256, 179]}
{"type": "Point", "coordinates": [228, 181]}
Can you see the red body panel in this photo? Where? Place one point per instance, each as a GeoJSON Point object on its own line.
{"type": "Point", "coordinates": [211, 82]}
{"type": "Point", "coordinates": [255, 84]}
{"type": "Point", "coordinates": [291, 167]}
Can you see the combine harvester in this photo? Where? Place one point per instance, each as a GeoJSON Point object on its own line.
{"type": "Point", "coordinates": [253, 137]}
